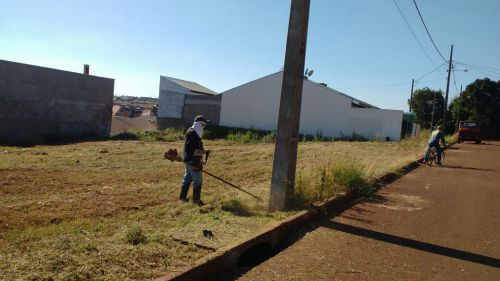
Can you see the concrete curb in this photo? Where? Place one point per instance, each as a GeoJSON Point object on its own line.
{"type": "Point", "coordinates": [227, 257]}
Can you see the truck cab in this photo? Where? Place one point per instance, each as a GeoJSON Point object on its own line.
{"type": "Point", "coordinates": [469, 131]}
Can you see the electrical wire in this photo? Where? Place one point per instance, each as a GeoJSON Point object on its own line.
{"type": "Point", "coordinates": [483, 72]}
{"type": "Point", "coordinates": [413, 33]}
{"type": "Point", "coordinates": [455, 82]}
{"type": "Point", "coordinates": [428, 33]}
{"type": "Point", "coordinates": [479, 66]}
{"type": "Point", "coordinates": [433, 80]}
{"type": "Point", "coordinates": [428, 73]}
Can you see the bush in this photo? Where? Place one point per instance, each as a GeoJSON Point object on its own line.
{"type": "Point", "coordinates": [349, 177]}
{"type": "Point", "coordinates": [169, 134]}
{"type": "Point", "coordinates": [135, 236]}
{"type": "Point", "coordinates": [452, 139]}
{"type": "Point", "coordinates": [329, 181]}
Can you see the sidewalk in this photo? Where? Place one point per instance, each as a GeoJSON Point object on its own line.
{"type": "Point", "coordinates": [435, 223]}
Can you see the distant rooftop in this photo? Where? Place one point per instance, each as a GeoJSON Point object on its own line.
{"type": "Point", "coordinates": [192, 86]}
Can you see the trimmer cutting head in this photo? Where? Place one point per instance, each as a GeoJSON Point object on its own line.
{"type": "Point", "coordinates": [173, 155]}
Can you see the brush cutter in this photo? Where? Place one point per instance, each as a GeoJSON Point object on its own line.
{"type": "Point", "coordinates": [174, 156]}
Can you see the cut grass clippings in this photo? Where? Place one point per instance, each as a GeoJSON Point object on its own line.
{"type": "Point", "coordinates": [109, 210]}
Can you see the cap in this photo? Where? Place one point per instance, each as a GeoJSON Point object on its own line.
{"type": "Point", "coordinates": [201, 118]}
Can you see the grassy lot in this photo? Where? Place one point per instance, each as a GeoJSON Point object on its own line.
{"type": "Point", "coordinates": [108, 210]}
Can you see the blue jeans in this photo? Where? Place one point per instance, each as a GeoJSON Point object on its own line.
{"type": "Point", "coordinates": [191, 175]}
{"type": "Point", "coordinates": [438, 151]}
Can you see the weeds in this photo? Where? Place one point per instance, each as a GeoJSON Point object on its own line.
{"type": "Point", "coordinates": [168, 135]}
{"type": "Point", "coordinates": [452, 139]}
{"type": "Point", "coordinates": [332, 179]}
{"type": "Point", "coordinates": [135, 236]}
{"type": "Point", "coordinates": [349, 176]}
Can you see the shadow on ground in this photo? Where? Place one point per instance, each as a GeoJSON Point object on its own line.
{"type": "Point", "coordinates": [465, 168]}
{"type": "Point", "coordinates": [410, 243]}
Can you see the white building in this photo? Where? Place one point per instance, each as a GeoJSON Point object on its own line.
{"type": "Point", "coordinates": [255, 105]}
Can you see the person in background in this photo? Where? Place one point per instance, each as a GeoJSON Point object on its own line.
{"type": "Point", "coordinates": [436, 136]}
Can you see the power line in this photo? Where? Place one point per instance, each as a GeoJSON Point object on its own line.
{"type": "Point", "coordinates": [428, 33]}
{"type": "Point", "coordinates": [483, 72]}
{"type": "Point", "coordinates": [485, 67]}
{"type": "Point", "coordinates": [425, 81]}
{"type": "Point", "coordinates": [455, 82]}
{"type": "Point", "coordinates": [413, 33]}
{"type": "Point", "coordinates": [433, 80]}
{"type": "Point", "coordinates": [428, 73]}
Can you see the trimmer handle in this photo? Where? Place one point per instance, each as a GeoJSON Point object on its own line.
{"type": "Point", "coordinates": [207, 154]}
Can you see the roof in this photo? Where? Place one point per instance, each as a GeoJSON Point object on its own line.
{"type": "Point", "coordinates": [354, 100]}
{"type": "Point", "coordinates": [192, 86]}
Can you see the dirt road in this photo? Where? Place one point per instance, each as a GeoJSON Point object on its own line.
{"type": "Point", "coordinates": [435, 223]}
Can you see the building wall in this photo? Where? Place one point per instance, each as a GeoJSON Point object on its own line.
{"type": "Point", "coordinates": [208, 106]}
{"type": "Point", "coordinates": [255, 105]}
{"type": "Point", "coordinates": [171, 99]}
{"type": "Point", "coordinates": [324, 111]}
{"type": "Point", "coordinates": [377, 123]}
{"type": "Point", "coordinates": [177, 106]}
{"type": "Point", "coordinates": [39, 104]}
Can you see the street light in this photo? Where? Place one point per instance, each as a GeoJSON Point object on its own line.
{"type": "Point", "coordinates": [453, 68]}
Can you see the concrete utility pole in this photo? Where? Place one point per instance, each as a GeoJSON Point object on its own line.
{"type": "Point", "coordinates": [458, 112]}
{"type": "Point", "coordinates": [411, 93]}
{"type": "Point", "coordinates": [285, 152]}
{"type": "Point", "coordinates": [445, 107]}
{"type": "Point", "coordinates": [433, 107]}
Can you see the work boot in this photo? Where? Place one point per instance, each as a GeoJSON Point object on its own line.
{"type": "Point", "coordinates": [197, 195]}
{"type": "Point", "coordinates": [199, 203]}
{"type": "Point", "coordinates": [184, 193]}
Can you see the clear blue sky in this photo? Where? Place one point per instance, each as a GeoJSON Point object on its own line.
{"type": "Point", "coordinates": [362, 48]}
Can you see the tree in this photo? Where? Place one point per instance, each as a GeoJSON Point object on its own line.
{"type": "Point", "coordinates": [480, 102]}
{"type": "Point", "coordinates": [422, 104]}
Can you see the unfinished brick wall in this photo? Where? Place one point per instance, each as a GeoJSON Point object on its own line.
{"type": "Point", "coordinates": [39, 104]}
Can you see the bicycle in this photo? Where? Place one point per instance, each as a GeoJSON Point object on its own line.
{"type": "Point", "coordinates": [432, 156]}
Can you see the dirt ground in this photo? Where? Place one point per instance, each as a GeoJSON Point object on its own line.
{"type": "Point", "coordinates": [435, 223]}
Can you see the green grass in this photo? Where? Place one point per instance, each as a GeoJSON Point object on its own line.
{"type": "Point", "coordinates": [135, 236]}
{"type": "Point", "coordinates": [329, 180]}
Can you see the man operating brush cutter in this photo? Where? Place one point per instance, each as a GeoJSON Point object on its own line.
{"type": "Point", "coordinates": [193, 153]}
{"type": "Point", "coordinates": [193, 161]}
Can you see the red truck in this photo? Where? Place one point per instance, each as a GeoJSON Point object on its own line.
{"type": "Point", "coordinates": [469, 130]}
